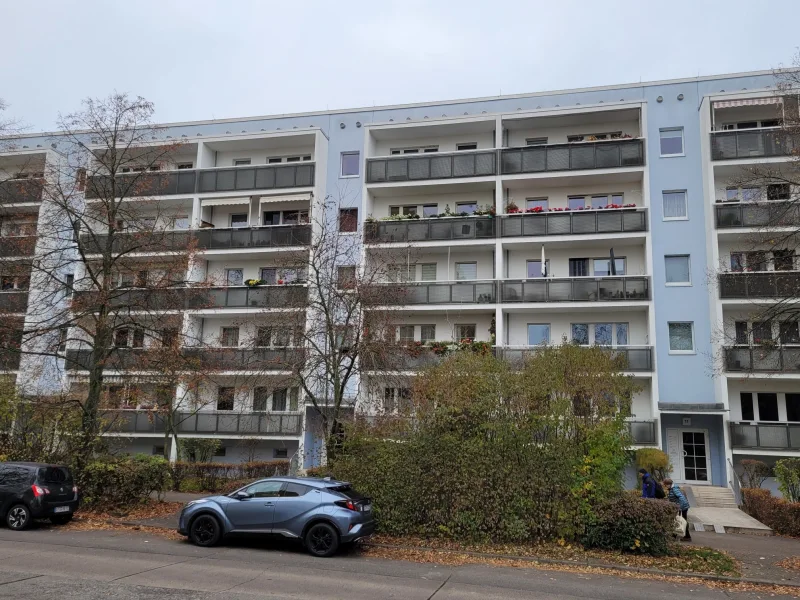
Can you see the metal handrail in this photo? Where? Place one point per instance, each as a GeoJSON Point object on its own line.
{"type": "Point", "coordinates": [439, 292]}
{"type": "Point", "coordinates": [770, 213]}
{"type": "Point", "coordinates": [203, 421]}
{"type": "Point", "coordinates": [749, 143]}
{"type": "Point", "coordinates": [18, 191]}
{"type": "Point", "coordinates": [762, 359]}
{"type": "Point", "coordinates": [638, 358]}
{"type": "Point", "coordinates": [735, 483]}
{"type": "Point", "coordinates": [433, 165]}
{"type": "Point", "coordinates": [576, 289]}
{"type": "Point", "coordinates": [768, 436]}
{"type": "Point", "coordinates": [761, 284]}
{"type": "Point", "coordinates": [443, 228]}
{"type": "Point", "coordinates": [574, 222]}
{"type": "Point", "coordinates": [571, 156]}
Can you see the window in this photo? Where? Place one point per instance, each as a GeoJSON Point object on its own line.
{"type": "Point", "coordinates": [748, 412]}
{"type": "Point", "coordinates": [681, 338]}
{"type": "Point", "coordinates": [406, 333]}
{"type": "Point", "coordinates": [742, 333]}
{"type": "Point", "coordinates": [602, 267]}
{"type": "Point", "coordinates": [414, 150]}
{"type": "Point", "coordinates": [793, 407]}
{"type": "Point", "coordinates": [348, 220]}
{"type": "Point", "coordinates": [538, 334]}
{"type": "Point", "coordinates": [185, 165]}
{"type": "Point", "coordinates": [294, 398]}
{"type": "Point", "coordinates": [783, 260]}
{"type": "Point", "coordinates": [538, 141]}
{"type": "Point", "coordinates": [622, 334]}
{"type": "Point", "coordinates": [578, 267]}
{"type": "Point", "coordinates": [464, 332]}
{"type": "Point", "coordinates": [602, 334]}
{"type": "Point", "coordinates": [576, 202]}
{"type": "Point", "coordinates": [535, 268]}
{"type": "Point", "coordinates": [599, 201]}
{"type": "Point", "coordinates": [671, 141]}
{"type": "Point", "coordinates": [179, 222]}
{"type": "Point", "coordinates": [467, 146]}
{"type": "Point", "coordinates": [430, 210]}
{"type": "Point", "coordinates": [260, 395]}
{"type": "Point", "coordinates": [140, 279]}
{"type": "Point", "coordinates": [677, 269]}
{"type": "Point", "coordinates": [274, 160]}
{"type": "Point", "coordinates": [427, 333]}
{"type": "Point", "coordinates": [399, 273]}
{"type": "Point", "coordinates": [225, 398]}
{"type": "Point", "coordinates": [241, 162]}
{"type": "Point", "coordinates": [779, 191]}
{"type": "Point", "coordinates": [789, 333]}
{"type": "Point", "coordinates": [405, 210]}
{"type": "Point", "coordinates": [428, 271]}
{"type": "Point", "coordinates": [674, 204]}
{"type": "Point", "coordinates": [291, 488]}
{"type": "Point", "coordinates": [466, 207]}
{"type": "Point", "coordinates": [239, 220]}
{"type": "Point", "coordinates": [18, 228]}
{"type": "Point", "coordinates": [767, 407]}
{"type": "Point", "coordinates": [62, 338]}
{"type": "Point", "coordinates": [346, 277]}
{"type": "Point", "coordinates": [350, 164]}
{"type": "Point", "coordinates": [762, 332]}
{"type": "Point", "coordinates": [466, 271]}
{"type": "Point", "coordinates": [169, 338]}
{"type": "Point", "coordinates": [580, 333]}
{"type": "Point", "coordinates": [69, 285]}
{"type": "Point", "coordinates": [121, 338]}
{"type": "Point", "coordinates": [745, 194]}
{"type": "Point", "coordinates": [279, 400]}
{"type": "Point", "coordinates": [265, 489]}
{"type": "Point", "coordinates": [234, 276]}
{"type": "Point", "coordinates": [229, 338]}
{"type": "Point", "coordinates": [138, 337]}
{"type": "Point", "coordinates": [536, 203]}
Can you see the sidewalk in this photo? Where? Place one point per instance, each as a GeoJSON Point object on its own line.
{"type": "Point", "coordinates": [758, 554]}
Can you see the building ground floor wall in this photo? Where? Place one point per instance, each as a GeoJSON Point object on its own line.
{"type": "Point", "coordinates": [232, 450]}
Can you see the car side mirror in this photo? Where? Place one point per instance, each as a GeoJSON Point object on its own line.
{"type": "Point", "coordinates": [242, 495]}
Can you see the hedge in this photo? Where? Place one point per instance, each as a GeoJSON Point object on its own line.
{"type": "Point", "coordinates": [214, 477]}
{"type": "Point", "coordinates": [632, 524]}
{"type": "Point", "coordinates": [779, 514]}
{"type": "Point", "coordinates": [123, 481]}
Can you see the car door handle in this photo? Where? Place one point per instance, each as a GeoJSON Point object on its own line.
{"type": "Point", "coordinates": [269, 504]}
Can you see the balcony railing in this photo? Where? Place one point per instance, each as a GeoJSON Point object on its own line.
{"type": "Point", "coordinates": [206, 359]}
{"type": "Point", "coordinates": [573, 157]}
{"type": "Point", "coordinates": [444, 292]}
{"type": "Point", "coordinates": [576, 289]}
{"type": "Point", "coordinates": [638, 358]}
{"type": "Point", "coordinates": [15, 301]}
{"type": "Point", "coordinates": [271, 296]}
{"type": "Point", "coordinates": [643, 433]}
{"type": "Point", "coordinates": [769, 284]}
{"type": "Point", "coordinates": [749, 143]}
{"type": "Point", "coordinates": [17, 246]}
{"type": "Point", "coordinates": [434, 165]}
{"type": "Point", "coordinates": [15, 191]}
{"type": "Point", "coordinates": [762, 359]}
{"type": "Point", "coordinates": [191, 181]}
{"type": "Point", "coordinates": [139, 241]}
{"type": "Point", "coordinates": [251, 423]}
{"type": "Point", "coordinates": [766, 436]}
{"type": "Point", "coordinates": [425, 230]}
{"type": "Point", "coordinates": [254, 237]}
{"type": "Point", "coordinates": [731, 215]}
{"type": "Point", "coordinates": [574, 223]}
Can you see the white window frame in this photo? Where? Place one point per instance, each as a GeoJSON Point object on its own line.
{"type": "Point", "coordinates": [683, 142]}
{"type": "Point", "coordinates": [549, 333]}
{"type": "Point", "coordinates": [460, 149]}
{"type": "Point", "coordinates": [680, 352]}
{"type": "Point", "coordinates": [689, 264]}
{"type": "Point", "coordinates": [686, 203]}
{"type": "Point", "coordinates": [591, 333]}
{"type": "Point", "coordinates": [230, 220]}
{"type": "Point", "coordinates": [242, 160]}
{"type": "Point", "coordinates": [341, 164]}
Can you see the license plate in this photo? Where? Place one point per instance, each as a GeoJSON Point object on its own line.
{"type": "Point", "coordinates": [60, 509]}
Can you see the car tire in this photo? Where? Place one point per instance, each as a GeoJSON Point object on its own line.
{"type": "Point", "coordinates": [322, 540]}
{"type": "Point", "coordinates": [61, 519]}
{"type": "Point", "coordinates": [18, 517]}
{"type": "Point", "coordinates": [205, 530]}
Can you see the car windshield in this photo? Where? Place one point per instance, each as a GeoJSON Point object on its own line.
{"type": "Point", "coordinates": [348, 492]}
{"type": "Point", "coordinates": [55, 475]}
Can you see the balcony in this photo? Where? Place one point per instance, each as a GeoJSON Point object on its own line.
{"type": "Point", "coordinates": [206, 422]}
{"type": "Point", "coordinates": [637, 358]}
{"type": "Point", "coordinates": [765, 284]}
{"type": "Point", "coordinates": [435, 292]}
{"type": "Point", "coordinates": [429, 230]}
{"type": "Point", "coordinates": [576, 156]}
{"type": "Point", "coordinates": [18, 191]}
{"type": "Point", "coordinates": [766, 436]}
{"type": "Point", "coordinates": [643, 433]}
{"type": "Point", "coordinates": [10, 348]}
{"type": "Point", "coordinates": [587, 222]}
{"type": "Point", "coordinates": [207, 359]}
{"type": "Point", "coordinates": [434, 165]}
{"type": "Point", "coordinates": [202, 181]}
{"type": "Point", "coordinates": [275, 236]}
{"type": "Point", "coordinates": [751, 143]}
{"type": "Point", "coordinates": [14, 301]}
{"type": "Point", "coordinates": [775, 213]}
{"type": "Point", "coordinates": [17, 246]}
{"type": "Point", "coordinates": [139, 241]}
{"type": "Point", "coordinates": [762, 359]}
{"type": "Point", "coordinates": [576, 289]}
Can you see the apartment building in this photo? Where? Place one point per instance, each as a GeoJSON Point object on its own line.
{"type": "Point", "coordinates": [598, 216]}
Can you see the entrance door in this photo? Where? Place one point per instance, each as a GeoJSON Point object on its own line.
{"type": "Point", "coordinates": [689, 454]}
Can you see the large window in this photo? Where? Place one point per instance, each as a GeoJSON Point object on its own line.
{"type": "Point", "coordinates": [466, 271]}
{"type": "Point", "coordinates": [427, 333]}
{"type": "Point", "coordinates": [225, 398]}
{"type": "Point", "coordinates": [229, 338]}
{"type": "Point", "coordinates": [602, 267]}
{"type": "Point", "coordinates": [538, 333]}
{"type": "Point", "coordinates": [681, 338]}
{"type": "Point", "coordinates": [348, 220]}
{"type": "Point", "coordinates": [535, 268]}
{"type": "Point", "coordinates": [671, 141]}
{"type": "Point", "coordinates": [677, 269]}
{"type": "Point", "coordinates": [464, 332]}
{"type": "Point", "coordinates": [350, 164]}
{"type": "Point", "coordinates": [674, 204]}
{"type": "Point", "coordinates": [602, 334]}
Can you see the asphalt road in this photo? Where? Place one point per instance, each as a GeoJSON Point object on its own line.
{"type": "Point", "coordinates": [90, 565]}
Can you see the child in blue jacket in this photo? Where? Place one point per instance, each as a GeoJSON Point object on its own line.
{"type": "Point", "coordinates": [676, 496]}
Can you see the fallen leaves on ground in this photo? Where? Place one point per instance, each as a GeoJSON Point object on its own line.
{"type": "Point", "coordinates": [793, 562]}
{"type": "Point", "coordinates": [136, 512]}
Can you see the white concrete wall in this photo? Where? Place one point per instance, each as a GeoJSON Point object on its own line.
{"type": "Point", "coordinates": [259, 157]}
{"type": "Point", "coordinates": [445, 324]}
{"type": "Point", "coordinates": [485, 140]}
{"type": "Point", "coordinates": [560, 325]}
{"type": "Point", "coordinates": [445, 266]}
{"type": "Point", "coordinates": [558, 135]}
{"type": "Point", "coordinates": [516, 259]}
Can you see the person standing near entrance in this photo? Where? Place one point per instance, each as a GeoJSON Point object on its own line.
{"type": "Point", "coordinates": [648, 484]}
{"type": "Point", "coordinates": [676, 496]}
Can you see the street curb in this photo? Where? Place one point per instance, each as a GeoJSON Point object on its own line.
{"type": "Point", "coordinates": [592, 563]}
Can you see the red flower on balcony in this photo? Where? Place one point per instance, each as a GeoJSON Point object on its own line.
{"type": "Point", "coordinates": [280, 281]}
{"type": "Point", "coordinates": [535, 209]}
{"type": "Point", "coordinates": [513, 210]}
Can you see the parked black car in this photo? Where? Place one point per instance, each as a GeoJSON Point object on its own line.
{"type": "Point", "coordinates": [31, 491]}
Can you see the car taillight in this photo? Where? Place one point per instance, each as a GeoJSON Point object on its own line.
{"type": "Point", "coordinates": [348, 504]}
{"type": "Point", "coordinates": [39, 491]}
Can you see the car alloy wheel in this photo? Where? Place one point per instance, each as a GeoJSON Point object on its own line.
{"type": "Point", "coordinates": [322, 540]}
{"type": "Point", "coordinates": [18, 517]}
{"type": "Point", "coordinates": [205, 530]}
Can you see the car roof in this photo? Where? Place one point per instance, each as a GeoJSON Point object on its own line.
{"type": "Point", "coordinates": [315, 482]}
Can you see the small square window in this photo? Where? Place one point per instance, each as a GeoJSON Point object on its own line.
{"type": "Point", "coordinates": [428, 271]}
{"type": "Point", "coordinates": [430, 210]}
{"type": "Point", "coordinates": [239, 220]}
{"type": "Point", "coordinates": [350, 164]}
{"type": "Point", "coordinates": [538, 333]}
{"type": "Point", "coordinates": [406, 333]}
{"type": "Point", "coordinates": [427, 333]}
{"type": "Point", "coordinates": [677, 270]}
{"type": "Point", "coordinates": [671, 141]}
{"type": "Point", "coordinates": [234, 276]}
{"type": "Point", "coordinates": [280, 453]}
{"type": "Point", "coordinates": [185, 165]}
{"type": "Point", "coordinates": [674, 206]}
{"type": "Point", "coordinates": [576, 202]}
{"type": "Point", "coordinates": [466, 207]}
{"type": "Point", "coordinates": [348, 220]}
{"type": "Point", "coordinates": [467, 146]}
{"type": "Point", "coordinates": [346, 277]}
{"type": "Point", "coordinates": [681, 338]}
{"type": "Point", "coordinates": [274, 160]}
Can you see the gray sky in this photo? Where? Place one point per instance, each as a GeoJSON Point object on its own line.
{"type": "Point", "coordinates": [202, 59]}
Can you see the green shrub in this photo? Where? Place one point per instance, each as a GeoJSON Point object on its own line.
{"type": "Point", "coordinates": [213, 477]}
{"type": "Point", "coordinates": [754, 473]}
{"type": "Point", "coordinates": [630, 524]}
{"type": "Point", "coordinates": [200, 450]}
{"type": "Point", "coordinates": [655, 461]}
{"type": "Point", "coordinates": [779, 514]}
{"type": "Point", "coordinates": [320, 472]}
{"type": "Point", "coordinates": [123, 481]}
{"type": "Point", "coordinates": [787, 472]}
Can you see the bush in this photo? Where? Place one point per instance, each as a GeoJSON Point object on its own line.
{"type": "Point", "coordinates": [200, 450]}
{"type": "Point", "coordinates": [754, 473]}
{"type": "Point", "coordinates": [655, 461]}
{"type": "Point", "coordinates": [320, 472]}
{"type": "Point", "coordinates": [779, 514]}
{"type": "Point", "coordinates": [787, 472]}
{"type": "Point", "coordinates": [123, 481]}
{"type": "Point", "coordinates": [630, 524]}
{"type": "Point", "coordinates": [213, 477]}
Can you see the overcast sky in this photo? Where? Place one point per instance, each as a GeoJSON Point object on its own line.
{"type": "Point", "coordinates": [202, 59]}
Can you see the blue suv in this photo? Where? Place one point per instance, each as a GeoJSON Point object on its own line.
{"type": "Point", "coordinates": [322, 513]}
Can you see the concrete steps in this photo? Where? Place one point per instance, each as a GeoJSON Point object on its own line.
{"type": "Point", "coordinates": [710, 496]}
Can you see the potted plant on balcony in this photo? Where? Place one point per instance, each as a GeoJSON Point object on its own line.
{"type": "Point", "coordinates": [251, 283]}
{"type": "Point", "coordinates": [512, 208]}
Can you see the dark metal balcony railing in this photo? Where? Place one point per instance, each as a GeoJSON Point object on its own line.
{"type": "Point", "coordinates": [748, 143]}
{"type": "Point", "coordinates": [143, 421]}
{"type": "Point", "coordinates": [574, 223]}
{"type": "Point", "coordinates": [445, 292]}
{"type": "Point", "coordinates": [417, 230]}
{"type": "Point", "coordinates": [576, 289]}
{"type": "Point", "coordinates": [767, 436]}
{"type": "Point", "coordinates": [765, 359]}
{"type": "Point", "coordinates": [191, 181]}
{"type": "Point", "coordinates": [638, 358]}
{"type": "Point", "coordinates": [254, 237]}
{"type": "Point", "coordinates": [776, 213]}
{"type": "Point", "coordinates": [17, 246]}
{"type": "Point", "coordinates": [15, 301]}
{"type": "Point", "coordinates": [434, 165]}
{"type": "Point", "coordinates": [139, 241]}
{"type": "Point", "coordinates": [575, 156]}
{"type": "Point", "coordinates": [771, 284]}
{"type": "Point", "coordinates": [643, 433]}
{"type": "Point", "coordinates": [15, 191]}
